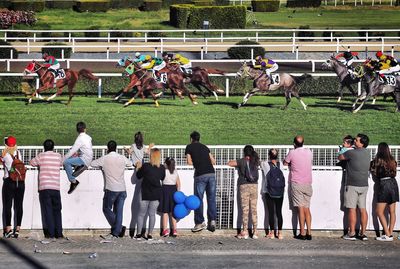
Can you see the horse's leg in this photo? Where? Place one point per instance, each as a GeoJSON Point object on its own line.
{"type": "Point", "coordinates": [247, 96]}
{"type": "Point", "coordinates": [197, 86]}
{"type": "Point", "coordinates": [37, 92]}
{"type": "Point", "coordinates": [362, 104]}
{"type": "Point", "coordinates": [154, 98]}
{"type": "Point", "coordinates": [295, 93]}
{"type": "Point", "coordinates": [191, 96]}
{"type": "Point", "coordinates": [139, 92]}
{"type": "Point", "coordinates": [340, 91]}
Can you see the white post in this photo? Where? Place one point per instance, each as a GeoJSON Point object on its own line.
{"type": "Point", "coordinates": [293, 41]}
{"type": "Point", "coordinates": [252, 53]}
{"type": "Point", "coordinates": [145, 37]}
{"type": "Point", "coordinates": [297, 52]}
{"type": "Point", "coordinates": [184, 37]}
{"type": "Point", "coordinates": [99, 89]}
{"type": "Point", "coordinates": [69, 36]}
{"type": "Point", "coordinates": [256, 36]}
{"type": "Point", "coordinates": [62, 54]}
{"type": "Point", "coordinates": [29, 47]}
{"type": "Point", "coordinates": [392, 51]}
{"type": "Point", "coordinates": [108, 53]}
{"type": "Point", "coordinates": [337, 45]}
{"type": "Point", "coordinates": [366, 36]}
{"type": "Point", "coordinates": [312, 66]}
{"type": "Point", "coordinates": [155, 52]}
{"type": "Point", "coordinates": [68, 64]}
{"type": "Point", "coordinates": [108, 37]}
{"type": "Point", "coordinates": [34, 37]}
{"type": "Point", "coordinates": [202, 54]}
{"type": "Point", "coordinates": [335, 3]}
{"type": "Point", "coordinates": [226, 87]}
{"type": "Point", "coordinates": [206, 45]}
{"type": "Point", "coordinates": [8, 64]}
{"type": "Point", "coordinates": [222, 37]}
{"type": "Point", "coordinates": [383, 44]}
{"type": "Point", "coordinates": [5, 36]}
{"type": "Point", "coordinates": [162, 45]}
{"type": "Point", "coordinates": [11, 54]}
{"type": "Point", "coordinates": [118, 45]}
{"type": "Point", "coordinates": [73, 45]}
{"type": "Point", "coordinates": [359, 88]}
{"type": "Point", "coordinates": [37, 83]}
{"type": "Point", "coordinates": [331, 36]}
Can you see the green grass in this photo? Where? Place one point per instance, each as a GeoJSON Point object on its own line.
{"type": "Point", "coordinates": [261, 122]}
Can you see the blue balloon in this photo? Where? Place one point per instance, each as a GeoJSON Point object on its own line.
{"type": "Point", "coordinates": [179, 197]}
{"type": "Point", "coordinates": [192, 202]}
{"type": "Point", "coordinates": [180, 211]}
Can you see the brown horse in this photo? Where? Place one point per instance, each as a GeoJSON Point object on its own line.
{"type": "Point", "coordinates": [47, 78]}
{"type": "Point", "coordinates": [262, 83]}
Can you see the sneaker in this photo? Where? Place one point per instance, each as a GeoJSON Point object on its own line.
{"type": "Point", "coordinates": [149, 237]}
{"type": "Point", "coordinates": [174, 233]}
{"type": "Point", "coordinates": [385, 238]}
{"type": "Point", "coordinates": [243, 235]}
{"type": "Point", "coordinates": [165, 233]}
{"type": "Point", "coordinates": [211, 226]}
{"type": "Point", "coordinates": [255, 236]}
{"type": "Point", "coordinates": [8, 234]}
{"type": "Point", "coordinates": [363, 237]}
{"type": "Point", "coordinates": [73, 186]}
{"type": "Point", "coordinates": [16, 233]}
{"type": "Point", "coordinates": [270, 235]}
{"type": "Point", "coordinates": [108, 237]}
{"type": "Point", "coordinates": [301, 237]}
{"type": "Point", "coordinates": [349, 237]}
{"type": "Point", "coordinates": [138, 237]}
{"type": "Point", "coordinates": [79, 170]}
{"type": "Point", "coordinates": [122, 233]}
{"type": "Point", "coordinates": [308, 237]}
{"type": "Point", "coordinates": [199, 227]}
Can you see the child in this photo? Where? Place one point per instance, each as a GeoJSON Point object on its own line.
{"type": "Point", "coordinates": [348, 143]}
{"type": "Point", "coordinates": [138, 149]}
{"type": "Point", "coordinates": [171, 184]}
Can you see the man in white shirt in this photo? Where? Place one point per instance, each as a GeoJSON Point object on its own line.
{"type": "Point", "coordinates": [113, 166]}
{"type": "Point", "coordinates": [80, 155]}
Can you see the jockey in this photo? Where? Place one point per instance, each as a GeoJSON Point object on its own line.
{"type": "Point", "coordinates": [139, 58]}
{"type": "Point", "coordinates": [155, 64]}
{"type": "Point", "coordinates": [348, 58]}
{"type": "Point", "coordinates": [184, 62]}
{"type": "Point", "coordinates": [387, 64]}
{"type": "Point", "coordinates": [167, 57]}
{"type": "Point", "coordinates": [265, 64]}
{"type": "Point", "coordinates": [51, 63]}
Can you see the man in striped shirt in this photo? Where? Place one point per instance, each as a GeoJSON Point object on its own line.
{"type": "Point", "coordinates": [49, 163]}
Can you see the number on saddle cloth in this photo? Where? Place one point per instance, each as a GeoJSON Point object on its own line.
{"type": "Point", "coordinates": [276, 79]}
{"type": "Point", "coordinates": [58, 74]}
{"type": "Point", "coordinates": [390, 80]}
{"type": "Point", "coordinates": [130, 69]}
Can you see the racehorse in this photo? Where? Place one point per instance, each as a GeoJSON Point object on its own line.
{"type": "Point", "coordinates": [47, 79]}
{"type": "Point", "coordinates": [345, 79]}
{"type": "Point", "coordinates": [375, 86]}
{"type": "Point", "coordinates": [262, 83]}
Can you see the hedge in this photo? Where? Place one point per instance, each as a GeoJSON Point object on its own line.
{"type": "Point", "coordinates": [92, 5]}
{"type": "Point", "coordinates": [220, 17]}
{"type": "Point", "coordinates": [303, 3]}
{"type": "Point", "coordinates": [245, 52]}
{"type": "Point", "coordinates": [203, 2]}
{"type": "Point", "coordinates": [32, 5]}
{"type": "Point", "coordinates": [5, 53]}
{"type": "Point", "coordinates": [60, 4]}
{"type": "Point", "coordinates": [168, 3]}
{"type": "Point", "coordinates": [124, 3]}
{"type": "Point", "coordinates": [265, 5]}
{"type": "Point", "coordinates": [4, 3]}
{"type": "Point", "coordinates": [56, 52]}
{"type": "Point", "coordinates": [152, 5]}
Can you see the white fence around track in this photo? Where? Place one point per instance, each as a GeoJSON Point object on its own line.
{"type": "Point", "coordinates": [325, 204]}
{"type": "Point", "coordinates": [332, 2]}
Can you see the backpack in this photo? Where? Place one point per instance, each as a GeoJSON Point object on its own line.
{"type": "Point", "coordinates": [18, 169]}
{"type": "Point", "coordinates": [250, 173]}
{"type": "Point", "coordinates": [275, 181]}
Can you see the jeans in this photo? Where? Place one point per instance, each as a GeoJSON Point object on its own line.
{"type": "Point", "coordinates": [68, 163]}
{"type": "Point", "coordinates": [205, 183]}
{"type": "Point", "coordinates": [12, 192]}
{"type": "Point", "coordinates": [50, 202]}
{"type": "Point", "coordinates": [113, 207]}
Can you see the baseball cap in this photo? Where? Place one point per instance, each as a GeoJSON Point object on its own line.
{"type": "Point", "coordinates": [11, 141]}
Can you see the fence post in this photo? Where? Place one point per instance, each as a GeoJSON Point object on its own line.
{"type": "Point", "coordinates": [293, 41]}
{"type": "Point", "coordinates": [118, 45]}
{"type": "Point", "coordinates": [68, 63]}
{"type": "Point", "coordinates": [34, 37]}
{"type": "Point", "coordinates": [108, 53]}
{"type": "Point", "coordinates": [37, 83]}
{"type": "Point", "coordinates": [337, 45]}
{"type": "Point", "coordinates": [256, 36]}
{"type": "Point", "coordinates": [8, 64]}
{"type": "Point", "coordinates": [366, 36]}
{"type": "Point", "coordinates": [62, 54]}
{"type": "Point", "coordinates": [11, 54]}
{"type": "Point", "coordinates": [29, 46]}
{"type": "Point", "coordinates": [5, 36]}
{"type": "Point", "coordinates": [206, 45]}
{"type": "Point", "coordinates": [201, 54]}
{"type": "Point", "coordinates": [69, 36]}
{"type": "Point", "coordinates": [222, 37]}
{"type": "Point", "coordinates": [155, 52]}
{"type": "Point", "coordinates": [312, 66]}
{"type": "Point", "coordinates": [392, 51]}
{"type": "Point", "coordinates": [226, 87]}
{"type": "Point", "coordinates": [331, 36]}
{"type": "Point", "coordinates": [162, 45]}
{"type": "Point", "coordinates": [252, 53]}
{"type": "Point", "coordinates": [383, 44]}
{"type": "Point", "coordinates": [184, 37]}
{"type": "Point", "coordinates": [109, 37]}
{"type": "Point", "coordinates": [359, 88]}
{"type": "Point", "coordinates": [145, 37]}
{"type": "Point", "coordinates": [73, 45]}
{"type": "Point", "coordinates": [99, 89]}
{"type": "Point", "coordinates": [297, 52]}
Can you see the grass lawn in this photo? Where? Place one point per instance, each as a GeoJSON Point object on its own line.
{"type": "Point", "coordinates": [260, 122]}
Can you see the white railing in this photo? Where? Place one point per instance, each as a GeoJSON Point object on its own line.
{"type": "Point", "coordinates": [331, 2]}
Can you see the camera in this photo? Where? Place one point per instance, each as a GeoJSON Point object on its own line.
{"type": "Point", "coordinates": [5, 140]}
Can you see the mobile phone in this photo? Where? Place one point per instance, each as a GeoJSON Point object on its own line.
{"type": "Point", "coordinates": [5, 140]}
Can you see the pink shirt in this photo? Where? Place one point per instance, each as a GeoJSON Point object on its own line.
{"type": "Point", "coordinates": [49, 163]}
{"type": "Point", "coordinates": [300, 165]}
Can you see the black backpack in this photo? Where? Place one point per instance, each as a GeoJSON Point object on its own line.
{"type": "Point", "coordinates": [275, 181]}
{"type": "Point", "coordinates": [250, 173]}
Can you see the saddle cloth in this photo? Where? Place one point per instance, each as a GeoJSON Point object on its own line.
{"type": "Point", "coordinates": [276, 79]}
{"type": "Point", "coordinates": [390, 80]}
{"type": "Point", "coordinates": [59, 74]}
{"type": "Point", "coordinates": [162, 78]}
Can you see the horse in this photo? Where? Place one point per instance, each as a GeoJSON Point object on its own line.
{"type": "Point", "coordinates": [47, 80]}
{"type": "Point", "coordinates": [375, 86]}
{"type": "Point", "coordinates": [263, 83]}
{"type": "Point", "coordinates": [345, 79]}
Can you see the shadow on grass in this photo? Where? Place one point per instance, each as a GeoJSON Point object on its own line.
{"type": "Point", "coordinates": [34, 101]}
{"type": "Point", "coordinates": [235, 104]}
{"type": "Point", "coordinates": [138, 102]}
{"type": "Point", "coordinates": [347, 106]}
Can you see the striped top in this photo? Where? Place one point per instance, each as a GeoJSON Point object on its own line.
{"type": "Point", "coordinates": [49, 163]}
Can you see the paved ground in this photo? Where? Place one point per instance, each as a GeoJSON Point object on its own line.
{"type": "Point", "coordinates": [202, 250]}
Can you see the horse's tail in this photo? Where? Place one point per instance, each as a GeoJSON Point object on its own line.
{"type": "Point", "coordinates": [302, 78]}
{"type": "Point", "coordinates": [87, 74]}
{"type": "Point", "coordinates": [214, 71]}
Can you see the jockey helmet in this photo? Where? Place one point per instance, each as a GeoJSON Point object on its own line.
{"type": "Point", "coordinates": [45, 55]}
{"type": "Point", "coordinates": [164, 54]}
{"type": "Point", "coordinates": [177, 56]}
{"type": "Point", "coordinates": [137, 54]}
{"type": "Point", "coordinates": [258, 58]}
{"type": "Point", "coordinates": [379, 54]}
{"type": "Point", "coordinates": [148, 58]}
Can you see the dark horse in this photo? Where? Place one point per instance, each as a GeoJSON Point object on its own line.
{"type": "Point", "coordinates": [376, 87]}
{"type": "Point", "coordinates": [262, 83]}
{"type": "Point", "coordinates": [47, 80]}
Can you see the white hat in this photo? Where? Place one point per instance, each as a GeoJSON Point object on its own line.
{"type": "Point", "coordinates": [137, 54]}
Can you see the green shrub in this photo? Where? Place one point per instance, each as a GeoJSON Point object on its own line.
{"type": "Point", "coordinates": [245, 52]}
{"type": "Point", "coordinates": [124, 3]}
{"type": "Point", "coordinates": [5, 53]}
{"type": "Point", "coordinates": [4, 3]}
{"type": "Point", "coordinates": [168, 3]}
{"type": "Point", "coordinates": [152, 5]}
{"type": "Point", "coordinates": [92, 34]}
{"type": "Point", "coordinates": [92, 5]}
{"type": "Point", "coordinates": [179, 15]}
{"type": "Point", "coordinates": [33, 5]}
{"type": "Point", "coordinates": [120, 34]}
{"type": "Point", "coordinates": [265, 5]}
{"type": "Point", "coordinates": [305, 33]}
{"type": "Point", "coordinates": [56, 52]}
{"type": "Point", "coordinates": [303, 3]}
{"type": "Point", "coordinates": [60, 4]}
{"type": "Point", "coordinates": [202, 2]}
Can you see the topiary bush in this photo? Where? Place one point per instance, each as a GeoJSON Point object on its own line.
{"type": "Point", "coordinates": [60, 4]}
{"type": "Point", "coordinates": [265, 5]}
{"type": "Point", "coordinates": [28, 5]}
{"type": "Point", "coordinates": [245, 52]}
{"type": "Point", "coordinates": [305, 33]}
{"type": "Point", "coordinates": [152, 5]}
{"type": "Point", "coordinates": [56, 52]}
{"type": "Point", "coordinates": [179, 15]}
{"type": "Point", "coordinates": [5, 53]}
{"type": "Point", "coordinates": [92, 5]}
{"type": "Point", "coordinates": [303, 3]}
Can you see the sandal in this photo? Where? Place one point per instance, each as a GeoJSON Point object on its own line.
{"type": "Point", "coordinates": [242, 235]}
{"type": "Point", "coordinates": [280, 236]}
{"type": "Point", "coordinates": [270, 235]}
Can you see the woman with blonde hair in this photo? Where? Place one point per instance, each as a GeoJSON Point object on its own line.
{"type": "Point", "coordinates": [153, 173]}
{"type": "Point", "coordinates": [13, 191]}
{"type": "Point", "coordinates": [383, 169]}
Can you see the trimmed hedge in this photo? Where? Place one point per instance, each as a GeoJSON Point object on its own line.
{"type": "Point", "coordinates": [5, 53]}
{"type": "Point", "coordinates": [245, 52]}
{"type": "Point", "coordinates": [92, 5]}
{"type": "Point", "coordinates": [124, 3]}
{"type": "Point", "coordinates": [305, 33]}
{"type": "Point", "coordinates": [56, 52]}
{"type": "Point", "coordinates": [303, 3]}
{"type": "Point", "coordinates": [203, 2]}
{"type": "Point", "coordinates": [220, 17]}
{"type": "Point", "coordinates": [265, 5]}
{"type": "Point", "coordinates": [152, 5]}
{"type": "Point", "coordinates": [92, 34]}
{"type": "Point", "coordinates": [60, 4]}
{"type": "Point", "coordinates": [168, 3]}
{"type": "Point", "coordinates": [32, 5]}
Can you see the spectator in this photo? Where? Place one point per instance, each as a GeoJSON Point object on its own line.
{"type": "Point", "coordinates": [299, 161]}
{"type": "Point", "coordinates": [113, 166]}
{"type": "Point", "coordinates": [383, 169]}
{"type": "Point", "coordinates": [248, 187]}
{"type": "Point", "coordinates": [138, 149]}
{"type": "Point", "coordinates": [49, 163]}
{"type": "Point", "coordinates": [273, 189]}
{"type": "Point", "coordinates": [200, 157]}
{"type": "Point", "coordinates": [13, 191]}
{"type": "Point", "coordinates": [80, 155]}
{"type": "Point", "coordinates": [153, 173]}
{"type": "Point", "coordinates": [356, 185]}
{"type": "Point", "coordinates": [171, 184]}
